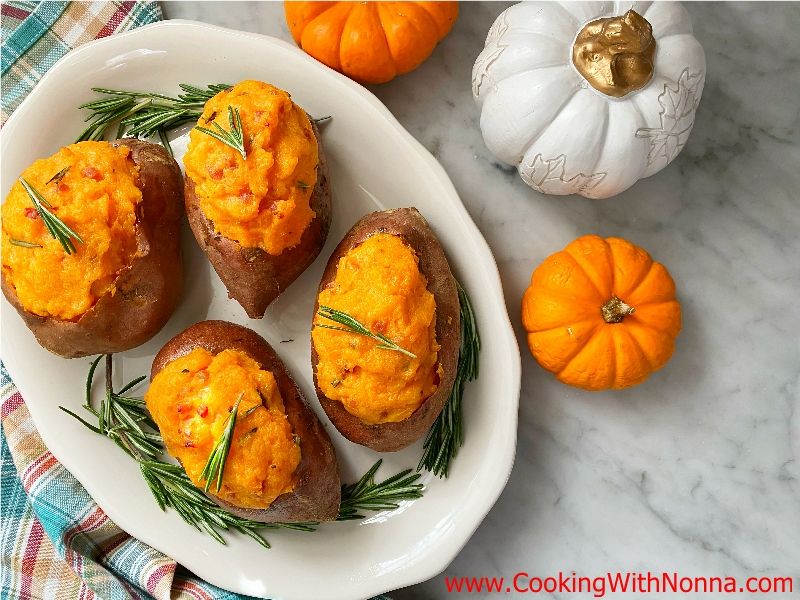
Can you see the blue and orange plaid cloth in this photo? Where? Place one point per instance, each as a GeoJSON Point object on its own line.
{"type": "Point", "coordinates": [56, 542]}
{"type": "Point", "coordinates": [37, 34]}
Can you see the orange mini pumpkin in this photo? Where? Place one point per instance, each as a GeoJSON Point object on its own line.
{"type": "Point", "coordinates": [601, 314]}
{"type": "Point", "coordinates": [371, 42]}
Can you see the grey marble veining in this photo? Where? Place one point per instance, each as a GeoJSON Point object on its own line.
{"type": "Point", "coordinates": [698, 469]}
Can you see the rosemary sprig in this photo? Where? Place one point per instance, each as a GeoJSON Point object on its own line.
{"type": "Point", "coordinates": [233, 138]}
{"type": "Point", "coordinates": [365, 494]}
{"type": "Point", "coordinates": [446, 435]}
{"type": "Point", "coordinates": [57, 228]}
{"type": "Point", "coordinates": [215, 466]}
{"type": "Point", "coordinates": [124, 420]}
{"type": "Point", "coordinates": [143, 114]}
{"type": "Point", "coordinates": [352, 325]}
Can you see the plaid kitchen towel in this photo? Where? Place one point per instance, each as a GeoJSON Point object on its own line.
{"type": "Point", "coordinates": [37, 34]}
{"type": "Point", "coordinates": [56, 542]}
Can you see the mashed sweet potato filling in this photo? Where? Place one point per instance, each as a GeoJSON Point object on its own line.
{"type": "Point", "coordinates": [92, 188]}
{"type": "Point", "coordinates": [190, 400]}
{"type": "Point", "coordinates": [261, 201]}
{"type": "Point", "coordinates": [379, 283]}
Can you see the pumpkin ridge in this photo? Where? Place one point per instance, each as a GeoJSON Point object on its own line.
{"type": "Point", "coordinates": [344, 28]}
{"type": "Point", "coordinates": [587, 347]}
{"type": "Point", "coordinates": [603, 134]}
{"type": "Point", "coordinates": [448, 27]}
{"type": "Point", "coordinates": [561, 107]}
{"type": "Point", "coordinates": [568, 297]}
{"type": "Point", "coordinates": [586, 272]}
{"type": "Point", "coordinates": [664, 330]}
{"type": "Point", "coordinates": [651, 304]}
{"type": "Point", "coordinates": [613, 358]}
{"type": "Point", "coordinates": [641, 280]}
{"type": "Point", "coordinates": [637, 282]}
{"type": "Point", "coordinates": [322, 13]}
{"type": "Point", "coordinates": [423, 6]}
{"type": "Point", "coordinates": [379, 8]}
{"type": "Point", "coordinates": [325, 19]}
{"type": "Point", "coordinates": [636, 343]}
{"type": "Point", "coordinates": [572, 352]}
{"type": "Point", "coordinates": [573, 18]}
{"type": "Point", "coordinates": [635, 97]}
{"type": "Point", "coordinates": [565, 325]}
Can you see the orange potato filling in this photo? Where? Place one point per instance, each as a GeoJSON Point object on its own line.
{"type": "Point", "coordinates": [379, 284]}
{"type": "Point", "coordinates": [261, 201]}
{"type": "Point", "coordinates": [190, 400]}
{"type": "Point", "coordinates": [96, 197]}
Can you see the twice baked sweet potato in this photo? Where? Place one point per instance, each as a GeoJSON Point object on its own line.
{"type": "Point", "coordinates": [261, 223]}
{"type": "Point", "coordinates": [282, 466]}
{"type": "Point", "coordinates": [123, 281]}
{"type": "Point", "coordinates": [390, 274]}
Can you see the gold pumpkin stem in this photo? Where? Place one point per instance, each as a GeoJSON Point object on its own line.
{"type": "Point", "coordinates": [615, 55]}
{"type": "Point", "coordinates": [615, 310]}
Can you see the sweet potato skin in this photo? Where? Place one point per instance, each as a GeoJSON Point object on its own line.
{"type": "Point", "coordinates": [147, 291]}
{"type": "Point", "coordinates": [253, 277]}
{"type": "Point", "coordinates": [411, 227]}
{"type": "Point", "coordinates": [317, 493]}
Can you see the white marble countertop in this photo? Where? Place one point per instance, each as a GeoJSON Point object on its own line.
{"type": "Point", "coordinates": [697, 470]}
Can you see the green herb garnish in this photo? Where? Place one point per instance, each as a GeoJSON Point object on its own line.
{"type": "Point", "coordinates": [57, 228]}
{"type": "Point", "coordinates": [352, 325]}
{"type": "Point", "coordinates": [302, 185]}
{"type": "Point", "coordinates": [23, 243]}
{"type": "Point", "coordinates": [215, 466]}
{"type": "Point", "coordinates": [143, 114]}
{"type": "Point", "coordinates": [446, 436]}
{"type": "Point", "coordinates": [365, 494]}
{"type": "Point", "coordinates": [124, 420]}
{"type": "Point", "coordinates": [233, 138]}
{"type": "Point", "coordinates": [58, 176]}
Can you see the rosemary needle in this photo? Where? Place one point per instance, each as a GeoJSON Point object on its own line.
{"type": "Point", "coordinates": [58, 176]}
{"type": "Point", "coordinates": [57, 228]}
{"type": "Point", "coordinates": [353, 325]}
{"type": "Point", "coordinates": [24, 243]}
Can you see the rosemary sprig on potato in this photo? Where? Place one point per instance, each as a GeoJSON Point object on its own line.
{"type": "Point", "coordinates": [353, 325]}
{"type": "Point", "coordinates": [124, 420]}
{"type": "Point", "coordinates": [215, 467]}
{"type": "Point", "coordinates": [233, 138]}
{"type": "Point", "coordinates": [57, 228]}
{"type": "Point", "coordinates": [446, 435]}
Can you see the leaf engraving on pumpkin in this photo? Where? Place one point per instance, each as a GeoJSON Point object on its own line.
{"type": "Point", "coordinates": [548, 176]}
{"type": "Point", "coordinates": [480, 72]}
{"type": "Point", "coordinates": [678, 105]}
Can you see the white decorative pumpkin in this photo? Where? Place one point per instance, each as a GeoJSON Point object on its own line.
{"type": "Point", "coordinates": [577, 98]}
